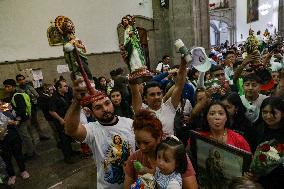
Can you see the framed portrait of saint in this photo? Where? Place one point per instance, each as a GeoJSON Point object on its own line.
{"type": "Point", "coordinates": [216, 163]}
{"type": "Point", "coordinates": [252, 11]}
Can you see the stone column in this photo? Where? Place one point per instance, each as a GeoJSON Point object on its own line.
{"type": "Point", "coordinates": [183, 19]}
{"type": "Point", "coordinates": [201, 23]}
{"type": "Point", "coordinates": [281, 18]}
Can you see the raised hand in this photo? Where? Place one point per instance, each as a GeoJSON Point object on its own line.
{"type": "Point", "coordinates": [78, 91]}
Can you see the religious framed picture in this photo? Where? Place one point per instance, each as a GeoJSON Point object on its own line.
{"type": "Point", "coordinates": [216, 163]}
{"type": "Point", "coordinates": [54, 37]}
{"type": "Point", "coordinates": [252, 10]}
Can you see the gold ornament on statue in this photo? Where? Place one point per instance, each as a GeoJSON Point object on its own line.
{"type": "Point", "coordinates": [252, 48]}
{"type": "Point", "coordinates": [252, 43]}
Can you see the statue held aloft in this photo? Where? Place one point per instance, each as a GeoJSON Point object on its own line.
{"type": "Point", "coordinates": [133, 52]}
{"type": "Point", "coordinates": [67, 29]}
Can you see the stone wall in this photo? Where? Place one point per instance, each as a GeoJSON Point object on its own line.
{"type": "Point", "coordinates": [184, 19]}
{"type": "Point", "coordinates": [281, 18]}
{"type": "Point", "coordinates": [100, 65]}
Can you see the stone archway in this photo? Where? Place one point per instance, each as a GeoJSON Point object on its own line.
{"type": "Point", "coordinates": [221, 32]}
{"type": "Point", "coordinates": [230, 29]}
{"type": "Point", "coordinates": [214, 35]}
{"type": "Point", "coordinates": [226, 16]}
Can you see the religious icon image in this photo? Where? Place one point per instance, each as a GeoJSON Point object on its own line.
{"type": "Point", "coordinates": [252, 11]}
{"type": "Point", "coordinates": [133, 53]}
{"type": "Point", "coordinates": [66, 28]}
{"type": "Point", "coordinates": [76, 58]}
{"type": "Point", "coordinates": [117, 154]}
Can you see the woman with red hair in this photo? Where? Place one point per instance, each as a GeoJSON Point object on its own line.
{"type": "Point", "coordinates": [148, 135]}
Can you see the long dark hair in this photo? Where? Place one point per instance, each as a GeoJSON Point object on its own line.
{"type": "Point", "coordinates": [99, 86]}
{"type": "Point", "coordinates": [240, 121]}
{"type": "Point", "coordinates": [179, 152]}
{"type": "Point", "coordinates": [206, 125]}
{"type": "Point", "coordinates": [275, 103]}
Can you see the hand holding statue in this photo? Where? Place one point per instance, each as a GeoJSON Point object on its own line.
{"type": "Point", "coordinates": [67, 29]}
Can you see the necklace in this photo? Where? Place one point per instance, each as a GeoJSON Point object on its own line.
{"type": "Point", "coordinates": [219, 139]}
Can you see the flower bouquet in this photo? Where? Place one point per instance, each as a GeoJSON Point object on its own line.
{"type": "Point", "coordinates": [267, 157]}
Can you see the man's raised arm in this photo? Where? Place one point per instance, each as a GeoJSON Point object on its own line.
{"type": "Point", "coordinates": [179, 84]}
{"type": "Point", "coordinates": [136, 97]}
{"type": "Point", "coordinates": [72, 126]}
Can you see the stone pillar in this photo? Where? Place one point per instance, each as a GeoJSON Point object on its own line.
{"type": "Point", "coordinates": [201, 23]}
{"type": "Point", "coordinates": [161, 31]}
{"type": "Point", "coordinates": [183, 19]}
{"type": "Point", "coordinates": [281, 18]}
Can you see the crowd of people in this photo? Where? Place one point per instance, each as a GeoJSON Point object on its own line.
{"type": "Point", "coordinates": [142, 130]}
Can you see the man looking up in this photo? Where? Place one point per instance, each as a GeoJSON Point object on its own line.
{"type": "Point", "coordinates": [153, 97]}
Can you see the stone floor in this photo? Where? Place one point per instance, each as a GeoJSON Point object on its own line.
{"type": "Point", "coordinates": [48, 170]}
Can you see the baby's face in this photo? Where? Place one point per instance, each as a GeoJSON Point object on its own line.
{"type": "Point", "coordinates": [166, 161]}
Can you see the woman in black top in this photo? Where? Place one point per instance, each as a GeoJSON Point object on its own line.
{"type": "Point", "coordinates": [270, 124]}
{"type": "Point", "coordinates": [236, 110]}
{"type": "Point", "coordinates": [121, 107]}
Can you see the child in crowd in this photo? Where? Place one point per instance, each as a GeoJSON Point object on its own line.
{"type": "Point", "coordinates": [171, 163]}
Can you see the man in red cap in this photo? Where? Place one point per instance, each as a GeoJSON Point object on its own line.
{"type": "Point", "coordinates": [110, 138]}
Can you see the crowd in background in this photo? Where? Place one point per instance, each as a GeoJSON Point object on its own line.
{"type": "Point", "coordinates": [235, 103]}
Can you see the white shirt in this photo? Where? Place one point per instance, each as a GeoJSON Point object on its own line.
{"type": "Point", "coordinates": [171, 181]}
{"type": "Point", "coordinates": [166, 114]}
{"type": "Point", "coordinates": [253, 108]}
{"type": "Point", "coordinates": [160, 65]}
{"type": "Point", "coordinates": [110, 156]}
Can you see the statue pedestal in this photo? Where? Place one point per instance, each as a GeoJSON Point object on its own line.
{"type": "Point", "coordinates": [139, 76]}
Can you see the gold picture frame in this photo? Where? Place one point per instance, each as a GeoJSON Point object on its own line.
{"type": "Point", "coordinates": [216, 163]}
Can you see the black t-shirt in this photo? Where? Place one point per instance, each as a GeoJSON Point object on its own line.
{"type": "Point", "coordinates": [43, 104]}
{"type": "Point", "coordinates": [60, 104]}
{"type": "Point", "coordinates": [260, 133]}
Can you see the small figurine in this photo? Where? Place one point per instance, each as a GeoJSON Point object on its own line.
{"type": "Point", "coordinates": [146, 181]}
{"type": "Point", "coordinates": [252, 46]}
{"type": "Point", "coordinates": [137, 165]}
{"type": "Point", "coordinates": [133, 52]}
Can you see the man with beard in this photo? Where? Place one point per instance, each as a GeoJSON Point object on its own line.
{"type": "Point", "coordinates": [153, 97]}
{"type": "Point", "coordinates": [252, 99]}
{"type": "Point", "coordinates": [110, 138]}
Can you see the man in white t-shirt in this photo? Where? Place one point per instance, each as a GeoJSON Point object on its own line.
{"type": "Point", "coordinates": [153, 97]}
{"type": "Point", "coordinates": [111, 138]}
{"type": "Point", "coordinates": [164, 65]}
{"type": "Point", "coordinates": [252, 100]}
